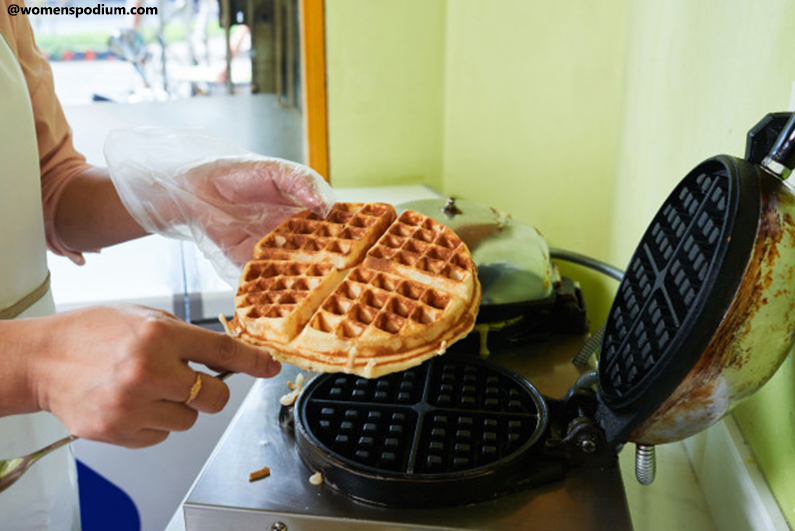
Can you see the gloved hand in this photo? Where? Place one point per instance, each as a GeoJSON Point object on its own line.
{"type": "Point", "coordinates": [193, 185]}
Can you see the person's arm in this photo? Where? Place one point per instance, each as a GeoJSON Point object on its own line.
{"type": "Point", "coordinates": [119, 374]}
{"type": "Point", "coordinates": [90, 215]}
{"type": "Point", "coordinates": [59, 162]}
{"type": "Point", "coordinates": [16, 343]}
{"type": "Point", "coordinates": [231, 203]}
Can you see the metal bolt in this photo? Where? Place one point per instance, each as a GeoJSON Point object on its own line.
{"type": "Point", "coordinates": [279, 526]}
{"type": "Point", "coordinates": [588, 445]}
{"type": "Point", "coordinates": [645, 464]}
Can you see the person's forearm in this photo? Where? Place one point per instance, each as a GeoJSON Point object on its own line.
{"type": "Point", "coordinates": [120, 373]}
{"type": "Point", "coordinates": [17, 341]}
{"type": "Point", "coordinates": [90, 214]}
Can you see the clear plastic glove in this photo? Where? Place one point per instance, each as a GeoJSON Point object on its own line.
{"type": "Point", "coordinates": [194, 185]}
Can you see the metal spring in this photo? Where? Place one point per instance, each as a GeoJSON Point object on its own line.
{"type": "Point", "coordinates": [589, 348]}
{"type": "Point", "coordinates": [645, 464]}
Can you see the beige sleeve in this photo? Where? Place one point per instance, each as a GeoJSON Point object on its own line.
{"type": "Point", "coordinates": [58, 160]}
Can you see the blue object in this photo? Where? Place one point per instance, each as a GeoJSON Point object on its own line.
{"type": "Point", "coordinates": [103, 505]}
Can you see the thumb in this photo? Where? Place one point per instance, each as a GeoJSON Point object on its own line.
{"type": "Point", "coordinates": [304, 186]}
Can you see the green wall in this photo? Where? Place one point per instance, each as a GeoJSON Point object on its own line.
{"type": "Point", "coordinates": [578, 117]}
{"type": "Point", "coordinates": [533, 94]}
{"type": "Point", "coordinates": [385, 84]}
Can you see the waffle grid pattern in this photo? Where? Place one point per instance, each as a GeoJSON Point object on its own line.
{"type": "Point", "coordinates": [663, 281]}
{"type": "Point", "coordinates": [422, 243]}
{"type": "Point", "coordinates": [443, 417]}
{"type": "Point", "coordinates": [346, 224]}
{"type": "Point", "coordinates": [367, 298]}
{"type": "Point", "coordinates": [274, 289]}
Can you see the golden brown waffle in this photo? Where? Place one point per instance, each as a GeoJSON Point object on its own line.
{"type": "Point", "coordinates": [380, 299]}
{"type": "Point", "coordinates": [341, 239]}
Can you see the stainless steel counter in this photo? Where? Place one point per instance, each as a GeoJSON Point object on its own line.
{"type": "Point", "coordinates": [223, 497]}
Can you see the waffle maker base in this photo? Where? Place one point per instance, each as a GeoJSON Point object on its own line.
{"type": "Point", "coordinates": [454, 430]}
{"type": "Point", "coordinates": [223, 498]}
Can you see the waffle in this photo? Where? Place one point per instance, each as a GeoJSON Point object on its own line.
{"type": "Point", "coordinates": [358, 292]}
{"type": "Point", "coordinates": [341, 239]}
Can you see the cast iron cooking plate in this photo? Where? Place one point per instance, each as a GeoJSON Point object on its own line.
{"type": "Point", "coordinates": [677, 288]}
{"type": "Point", "coordinates": [453, 430]}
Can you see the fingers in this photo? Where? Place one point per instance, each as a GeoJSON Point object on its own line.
{"type": "Point", "coordinates": [207, 394]}
{"type": "Point", "coordinates": [239, 201]}
{"type": "Point", "coordinates": [218, 350]}
{"type": "Point", "coordinates": [235, 242]}
{"type": "Point", "coordinates": [144, 438]}
{"type": "Point", "coordinates": [209, 397]}
{"type": "Point", "coordinates": [187, 343]}
{"type": "Point", "coordinates": [273, 181]}
{"type": "Point", "coordinates": [197, 390]}
{"type": "Point", "coordinates": [164, 416]}
{"type": "Point", "coordinates": [170, 416]}
{"type": "Point", "coordinates": [243, 251]}
{"type": "Point", "coordinates": [306, 187]}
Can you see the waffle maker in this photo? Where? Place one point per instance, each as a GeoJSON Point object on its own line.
{"type": "Point", "coordinates": [698, 323]}
{"type": "Point", "coordinates": [525, 298]}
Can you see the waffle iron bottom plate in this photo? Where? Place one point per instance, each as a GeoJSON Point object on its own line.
{"type": "Point", "coordinates": [453, 430]}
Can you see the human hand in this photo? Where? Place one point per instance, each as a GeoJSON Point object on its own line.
{"type": "Point", "coordinates": [120, 374]}
{"type": "Point", "coordinates": [235, 202]}
{"type": "Point", "coordinates": [193, 185]}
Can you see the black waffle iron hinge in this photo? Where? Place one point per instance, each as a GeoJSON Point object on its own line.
{"type": "Point", "coordinates": [574, 433]}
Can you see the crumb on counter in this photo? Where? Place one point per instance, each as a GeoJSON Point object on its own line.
{"type": "Point", "coordinates": [259, 474]}
{"type": "Point", "coordinates": [316, 478]}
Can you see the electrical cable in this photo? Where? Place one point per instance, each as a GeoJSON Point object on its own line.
{"type": "Point", "coordinates": [593, 342]}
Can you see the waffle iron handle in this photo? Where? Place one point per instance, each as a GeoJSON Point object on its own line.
{"type": "Point", "coordinates": [781, 158]}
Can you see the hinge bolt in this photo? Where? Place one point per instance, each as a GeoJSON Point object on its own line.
{"type": "Point", "coordinates": [588, 445]}
{"type": "Point", "coordinates": [645, 464]}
